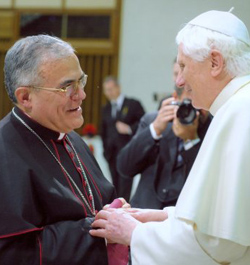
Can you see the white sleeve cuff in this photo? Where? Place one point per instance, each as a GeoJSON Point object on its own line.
{"type": "Point", "coordinates": [153, 133]}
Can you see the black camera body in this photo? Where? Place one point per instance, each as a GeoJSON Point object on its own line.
{"type": "Point", "coordinates": [186, 113]}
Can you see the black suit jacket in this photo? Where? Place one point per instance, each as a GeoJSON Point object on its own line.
{"type": "Point", "coordinates": [155, 161]}
{"type": "Point", "coordinates": [130, 113]}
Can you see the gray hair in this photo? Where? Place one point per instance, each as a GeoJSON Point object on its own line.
{"type": "Point", "coordinates": [198, 42]}
{"type": "Point", "coordinates": [25, 57]}
{"type": "Point", "coordinates": [111, 78]}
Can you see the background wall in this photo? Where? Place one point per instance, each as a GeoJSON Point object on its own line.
{"type": "Point", "coordinates": [147, 41]}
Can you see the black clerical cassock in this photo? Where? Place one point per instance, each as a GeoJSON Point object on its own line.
{"type": "Point", "coordinates": [43, 217]}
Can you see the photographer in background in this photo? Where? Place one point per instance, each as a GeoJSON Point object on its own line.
{"type": "Point", "coordinates": [189, 125]}
{"type": "Point", "coordinates": [162, 151]}
{"type": "Point", "coordinates": [120, 119]}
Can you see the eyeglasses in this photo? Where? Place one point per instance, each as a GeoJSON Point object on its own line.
{"type": "Point", "coordinates": [69, 89]}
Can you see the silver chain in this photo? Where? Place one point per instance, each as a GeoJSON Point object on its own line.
{"type": "Point", "coordinates": [84, 175]}
{"type": "Point", "coordinates": [70, 178]}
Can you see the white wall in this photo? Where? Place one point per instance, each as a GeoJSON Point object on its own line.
{"type": "Point", "coordinates": [148, 30]}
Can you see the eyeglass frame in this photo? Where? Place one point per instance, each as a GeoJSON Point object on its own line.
{"type": "Point", "coordinates": [64, 89]}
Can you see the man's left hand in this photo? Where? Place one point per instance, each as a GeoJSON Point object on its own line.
{"type": "Point", "coordinates": [115, 225]}
{"type": "Point", "coordinates": [123, 128]}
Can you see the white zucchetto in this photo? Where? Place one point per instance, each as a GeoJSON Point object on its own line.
{"type": "Point", "coordinates": [222, 22]}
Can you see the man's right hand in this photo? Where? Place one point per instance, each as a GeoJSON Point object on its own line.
{"type": "Point", "coordinates": [165, 115]}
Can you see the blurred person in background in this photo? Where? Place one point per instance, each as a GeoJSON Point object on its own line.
{"type": "Point", "coordinates": [120, 119]}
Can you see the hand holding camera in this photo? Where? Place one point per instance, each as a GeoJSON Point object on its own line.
{"type": "Point", "coordinates": [186, 132]}
{"type": "Point", "coordinates": [166, 114]}
{"type": "Point", "coordinates": [186, 122]}
{"type": "Point", "coordinates": [186, 113]}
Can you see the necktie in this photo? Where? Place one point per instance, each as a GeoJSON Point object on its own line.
{"type": "Point", "coordinates": [114, 110]}
{"type": "Point", "coordinates": [179, 159]}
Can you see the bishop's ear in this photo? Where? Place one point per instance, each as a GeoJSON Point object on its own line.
{"type": "Point", "coordinates": [217, 63]}
{"type": "Point", "coordinates": [23, 96]}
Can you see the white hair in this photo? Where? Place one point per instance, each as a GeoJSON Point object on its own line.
{"type": "Point", "coordinates": [198, 42]}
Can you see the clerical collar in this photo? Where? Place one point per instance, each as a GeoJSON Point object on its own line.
{"type": "Point", "coordinates": [231, 88]}
{"type": "Point", "coordinates": [119, 101]}
{"type": "Point", "coordinates": [42, 131]}
{"type": "Point", "coordinates": [61, 135]}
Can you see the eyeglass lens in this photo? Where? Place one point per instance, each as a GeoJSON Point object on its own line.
{"type": "Point", "coordinates": [73, 88]}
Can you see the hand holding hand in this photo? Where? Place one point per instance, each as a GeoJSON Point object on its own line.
{"type": "Point", "coordinates": [115, 225]}
{"type": "Point", "coordinates": [118, 203]}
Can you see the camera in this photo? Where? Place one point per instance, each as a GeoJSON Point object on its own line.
{"type": "Point", "coordinates": [186, 113]}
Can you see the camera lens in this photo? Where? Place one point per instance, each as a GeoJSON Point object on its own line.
{"type": "Point", "coordinates": [186, 112]}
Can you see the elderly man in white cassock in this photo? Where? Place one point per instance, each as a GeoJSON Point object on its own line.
{"type": "Point", "coordinates": [211, 221]}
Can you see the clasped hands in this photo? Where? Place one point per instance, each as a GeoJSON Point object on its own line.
{"type": "Point", "coordinates": [117, 225]}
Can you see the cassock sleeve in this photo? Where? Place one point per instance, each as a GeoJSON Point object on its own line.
{"type": "Point", "coordinates": [64, 243]}
{"type": "Point", "coordinates": [174, 242]}
{"type": "Point", "coordinates": [69, 242]}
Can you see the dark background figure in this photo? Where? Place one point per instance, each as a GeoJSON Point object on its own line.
{"type": "Point", "coordinates": [120, 119]}
{"type": "Point", "coordinates": [51, 185]}
{"type": "Point", "coordinates": [163, 159]}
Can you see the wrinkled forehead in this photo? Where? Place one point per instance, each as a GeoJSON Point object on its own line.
{"type": "Point", "coordinates": [61, 69]}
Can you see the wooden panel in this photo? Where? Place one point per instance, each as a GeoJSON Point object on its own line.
{"type": "Point", "coordinates": [5, 103]}
{"type": "Point", "coordinates": [106, 70]}
{"type": "Point", "coordinates": [88, 102]}
{"type": "Point", "coordinates": [7, 24]}
{"type": "Point", "coordinates": [2, 91]}
{"type": "Point", "coordinates": [38, 4]}
{"type": "Point", "coordinates": [97, 67]}
{"type": "Point", "coordinates": [93, 47]}
{"type": "Point", "coordinates": [91, 4]}
{"type": "Point", "coordinates": [96, 90]}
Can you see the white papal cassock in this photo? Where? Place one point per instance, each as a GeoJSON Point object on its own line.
{"type": "Point", "coordinates": [211, 221]}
